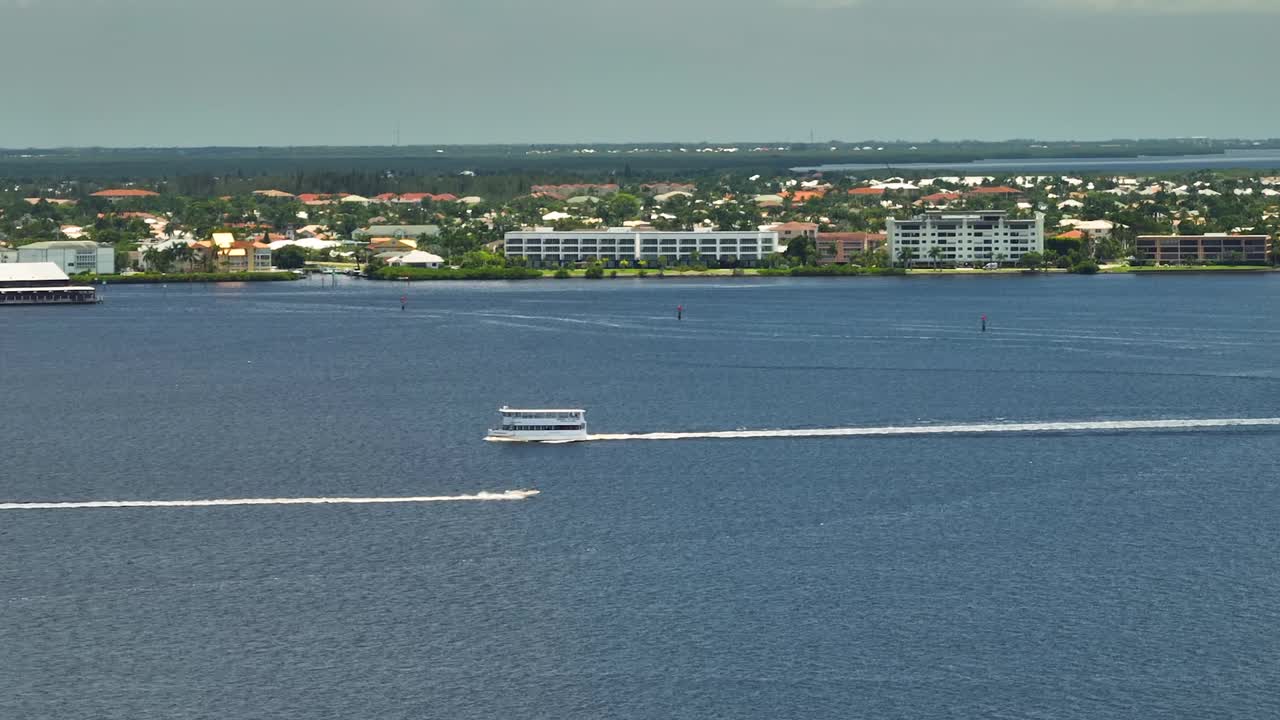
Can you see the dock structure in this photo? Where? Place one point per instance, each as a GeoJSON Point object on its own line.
{"type": "Point", "coordinates": [41, 283]}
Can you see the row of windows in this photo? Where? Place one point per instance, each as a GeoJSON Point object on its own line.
{"type": "Point", "coordinates": [628, 240]}
{"type": "Point", "coordinates": [987, 242]}
{"type": "Point", "coordinates": [976, 233]}
{"type": "Point", "coordinates": [516, 243]}
{"type": "Point", "coordinates": [543, 427]}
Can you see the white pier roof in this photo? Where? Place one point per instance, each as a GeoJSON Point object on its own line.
{"type": "Point", "coordinates": [31, 272]}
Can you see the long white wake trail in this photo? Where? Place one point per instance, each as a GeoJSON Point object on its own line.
{"type": "Point", "coordinates": [90, 504]}
{"type": "Point", "coordinates": [968, 429]}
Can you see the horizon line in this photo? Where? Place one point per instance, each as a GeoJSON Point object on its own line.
{"type": "Point", "coordinates": [659, 143]}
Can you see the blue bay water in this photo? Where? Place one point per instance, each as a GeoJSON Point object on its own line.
{"type": "Point", "coordinates": [1085, 575]}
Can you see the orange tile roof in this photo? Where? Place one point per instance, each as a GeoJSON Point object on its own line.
{"type": "Point", "coordinates": [867, 191]}
{"type": "Point", "coordinates": [941, 197]}
{"type": "Point", "coordinates": [124, 193]}
{"type": "Point", "coordinates": [998, 190]}
{"type": "Point", "coordinates": [799, 196]}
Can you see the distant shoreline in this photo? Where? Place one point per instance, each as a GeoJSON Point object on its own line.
{"type": "Point", "coordinates": [631, 273]}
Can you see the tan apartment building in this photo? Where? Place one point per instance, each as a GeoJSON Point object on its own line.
{"type": "Point", "coordinates": [838, 248]}
{"type": "Point", "coordinates": [789, 231]}
{"type": "Point", "coordinates": [236, 255]}
{"type": "Point", "coordinates": [1182, 249]}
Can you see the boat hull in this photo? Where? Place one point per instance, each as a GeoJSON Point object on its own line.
{"type": "Point", "coordinates": [536, 436]}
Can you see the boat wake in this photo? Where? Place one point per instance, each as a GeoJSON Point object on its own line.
{"type": "Point", "coordinates": [94, 504]}
{"type": "Point", "coordinates": [963, 429]}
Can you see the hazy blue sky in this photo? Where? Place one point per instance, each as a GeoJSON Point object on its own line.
{"type": "Point", "coordinates": [277, 72]}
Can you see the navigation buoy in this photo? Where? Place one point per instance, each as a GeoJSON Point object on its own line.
{"type": "Point", "coordinates": [404, 300]}
{"type": "Point", "coordinates": [984, 323]}
{"type": "Point", "coordinates": [679, 312]}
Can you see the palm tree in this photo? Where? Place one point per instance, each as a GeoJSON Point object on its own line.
{"type": "Point", "coordinates": [211, 257]}
{"type": "Point", "coordinates": [1000, 258]}
{"type": "Point", "coordinates": [905, 256]}
{"type": "Point", "coordinates": [183, 255]}
{"type": "Point", "coordinates": [935, 254]}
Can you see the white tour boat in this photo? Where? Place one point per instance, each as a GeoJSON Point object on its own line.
{"type": "Point", "coordinates": [525, 425]}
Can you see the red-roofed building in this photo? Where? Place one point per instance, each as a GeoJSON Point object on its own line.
{"type": "Point", "coordinates": [803, 196]}
{"type": "Point", "coordinates": [940, 199]}
{"type": "Point", "coordinates": [867, 191]}
{"type": "Point", "coordinates": [315, 199]}
{"type": "Point", "coordinates": [114, 194]}
{"type": "Point", "coordinates": [51, 201]}
{"type": "Point", "coordinates": [445, 197]}
{"type": "Point", "coordinates": [385, 197]}
{"type": "Point", "coordinates": [1071, 235]}
{"type": "Point", "coordinates": [563, 192]}
{"type": "Point", "coordinates": [837, 248]}
{"type": "Point", "coordinates": [1000, 190]}
{"type": "Point", "coordinates": [415, 197]}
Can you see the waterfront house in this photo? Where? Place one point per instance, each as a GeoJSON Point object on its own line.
{"type": "Point", "coordinates": [231, 255]}
{"type": "Point", "coordinates": [416, 258]}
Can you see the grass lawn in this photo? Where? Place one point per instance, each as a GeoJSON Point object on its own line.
{"type": "Point", "coordinates": [973, 271]}
{"type": "Point", "coordinates": [652, 272]}
{"type": "Point", "coordinates": [1187, 268]}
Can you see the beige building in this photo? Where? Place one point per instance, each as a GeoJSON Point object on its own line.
{"type": "Point", "coordinates": [838, 248]}
{"type": "Point", "coordinates": [1223, 248]}
{"type": "Point", "coordinates": [789, 231]}
{"type": "Point", "coordinates": [237, 255]}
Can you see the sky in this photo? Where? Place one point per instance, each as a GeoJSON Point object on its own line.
{"type": "Point", "coordinates": [131, 73]}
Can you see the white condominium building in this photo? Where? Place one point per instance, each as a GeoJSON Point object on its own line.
{"type": "Point", "coordinates": [965, 237]}
{"type": "Point", "coordinates": [544, 246]}
{"type": "Point", "coordinates": [71, 256]}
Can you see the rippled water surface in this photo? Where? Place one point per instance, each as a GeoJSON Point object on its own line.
{"type": "Point", "coordinates": [1078, 574]}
